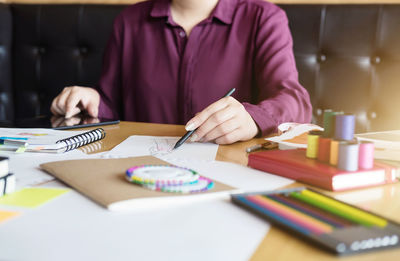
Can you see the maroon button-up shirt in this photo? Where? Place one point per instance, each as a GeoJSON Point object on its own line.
{"type": "Point", "coordinates": [154, 72]}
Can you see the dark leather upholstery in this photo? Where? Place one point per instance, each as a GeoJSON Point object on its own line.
{"type": "Point", "coordinates": [348, 56]}
{"type": "Point", "coordinates": [57, 46]}
{"type": "Point", "coordinates": [6, 95]}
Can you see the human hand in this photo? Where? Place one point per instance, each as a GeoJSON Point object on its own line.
{"type": "Point", "coordinates": [224, 122]}
{"type": "Point", "coordinates": [73, 100]}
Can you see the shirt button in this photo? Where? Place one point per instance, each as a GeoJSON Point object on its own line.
{"type": "Point", "coordinates": [182, 34]}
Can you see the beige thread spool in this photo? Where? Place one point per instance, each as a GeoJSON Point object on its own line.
{"type": "Point", "coordinates": [333, 159]}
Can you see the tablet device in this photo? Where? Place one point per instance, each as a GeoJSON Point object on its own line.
{"type": "Point", "coordinates": [61, 123]}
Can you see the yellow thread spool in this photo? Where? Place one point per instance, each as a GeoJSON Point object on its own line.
{"type": "Point", "coordinates": [333, 159]}
{"type": "Point", "coordinates": [312, 144]}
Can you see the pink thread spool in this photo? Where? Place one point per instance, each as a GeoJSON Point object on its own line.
{"type": "Point", "coordinates": [366, 155]}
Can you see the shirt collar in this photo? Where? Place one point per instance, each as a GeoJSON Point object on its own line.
{"type": "Point", "coordinates": [160, 8]}
{"type": "Point", "coordinates": [224, 10]}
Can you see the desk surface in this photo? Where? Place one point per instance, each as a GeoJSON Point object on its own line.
{"type": "Point", "coordinates": [384, 199]}
{"type": "Point", "coordinates": [74, 224]}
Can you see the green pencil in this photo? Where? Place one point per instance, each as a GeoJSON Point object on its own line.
{"type": "Point", "coordinates": [338, 208]}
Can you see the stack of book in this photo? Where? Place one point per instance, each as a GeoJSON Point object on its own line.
{"type": "Point", "coordinates": [7, 180]}
{"type": "Point", "coordinates": [295, 165]}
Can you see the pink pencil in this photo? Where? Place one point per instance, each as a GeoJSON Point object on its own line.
{"type": "Point", "coordinates": [293, 215]}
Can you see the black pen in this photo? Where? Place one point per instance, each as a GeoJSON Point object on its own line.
{"type": "Point", "coordinates": [189, 133]}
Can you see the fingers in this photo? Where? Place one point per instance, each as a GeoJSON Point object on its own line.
{"type": "Point", "coordinates": [201, 117]}
{"type": "Point", "coordinates": [218, 124]}
{"type": "Point", "coordinates": [58, 104]}
{"type": "Point", "coordinates": [54, 110]}
{"type": "Point", "coordinates": [93, 109]}
{"type": "Point", "coordinates": [221, 130]}
{"type": "Point", "coordinates": [72, 100]}
{"type": "Point", "coordinates": [224, 123]}
{"type": "Point", "coordinates": [76, 95]}
{"type": "Point", "coordinates": [230, 137]}
{"type": "Point", "coordinates": [90, 102]}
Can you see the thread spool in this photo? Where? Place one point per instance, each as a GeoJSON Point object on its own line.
{"type": "Point", "coordinates": [312, 144]}
{"type": "Point", "coordinates": [344, 127]}
{"type": "Point", "coordinates": [329, 122]}
{"type": "Point", "coordinates": [324, 147]}
{"type": "Point", "coordinates": [334, 152]}
{"type": "Point", "coordinates": [366, 155]}
{"type": "Point", "coordinates": [348, 156]}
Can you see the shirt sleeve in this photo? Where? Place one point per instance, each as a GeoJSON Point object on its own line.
{"type": "Point", "coordinates": [281, 98]}
{"type": "Point", "coordinates": [109, 85]}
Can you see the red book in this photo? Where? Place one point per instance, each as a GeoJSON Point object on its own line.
{"type": "Point", "coordinates": [295, 165]}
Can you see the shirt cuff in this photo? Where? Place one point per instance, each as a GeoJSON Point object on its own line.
{"type": "Point", "coordinates": [105, 111]}
{"type": "Point", "coordinates": [265, 121]}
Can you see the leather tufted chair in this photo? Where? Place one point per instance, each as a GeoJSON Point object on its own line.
{"type": "Point", "coordinates": [6, 91]}
{"type": "Point", "coordinates": [57, 46]}
{"type": "Point", "coordinates": [348, 56]}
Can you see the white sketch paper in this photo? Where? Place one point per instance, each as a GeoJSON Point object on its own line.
{"type": "Point", "coordinates": [162, 146]}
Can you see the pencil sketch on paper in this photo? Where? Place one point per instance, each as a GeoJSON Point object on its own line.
{"type": "Point", "coordinates": [161, 147]}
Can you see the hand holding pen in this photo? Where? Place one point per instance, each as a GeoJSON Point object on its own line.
{"type": "Point", "coordinates": [225, 121]}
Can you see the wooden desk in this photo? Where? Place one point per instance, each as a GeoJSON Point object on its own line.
{"type": "Point", "coordinates": [115, 134]}
{"type": "Point", "coordinates": [277, 244]}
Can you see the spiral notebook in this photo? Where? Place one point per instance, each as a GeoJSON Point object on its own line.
{"type": "Point", "coordinates": [70, 143]}
{"type": "Point", "coordinates": [47, 140]}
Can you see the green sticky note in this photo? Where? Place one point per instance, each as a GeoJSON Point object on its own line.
{"type": "Point", "coordinates": [21, 149]}
{"type": "Point", "coordinates": [31, 197]}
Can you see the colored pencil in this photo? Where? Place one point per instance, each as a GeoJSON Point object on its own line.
{"type": "Point", "coordinates": [339, 208]}
{"type": "Point", "coordinates": [315, 212]}
{"type": "Point", "coordinates": [275, 216]}
{"type": "Point", "coordinates": [298, 217]}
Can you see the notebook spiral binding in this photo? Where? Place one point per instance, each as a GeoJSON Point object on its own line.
{"type": "Point", "coordinates": [77, 141]}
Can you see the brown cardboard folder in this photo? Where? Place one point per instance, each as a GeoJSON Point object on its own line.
{"type": "Point", "coordinates": [103, 180]}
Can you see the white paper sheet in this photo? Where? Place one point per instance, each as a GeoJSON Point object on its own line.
{"type": "Point", "coordinates": [387, 144]}
{"type": "Point", "coordinates": [244, 178]}
{"type": "Point", "coordinates": [72, 227]}
{"type": "Point", "coordinates": [212, 230]}
{"type": "Point", "coordinates": [162, 147]}
{"type": "Point", "coordinates": [26, 169]}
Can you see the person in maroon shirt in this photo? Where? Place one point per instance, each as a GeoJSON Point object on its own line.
{"type": "Point", "coordinates": [171, 61]}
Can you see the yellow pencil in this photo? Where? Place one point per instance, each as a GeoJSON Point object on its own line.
{"type": "Point", "coordinates": [342, 209]}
